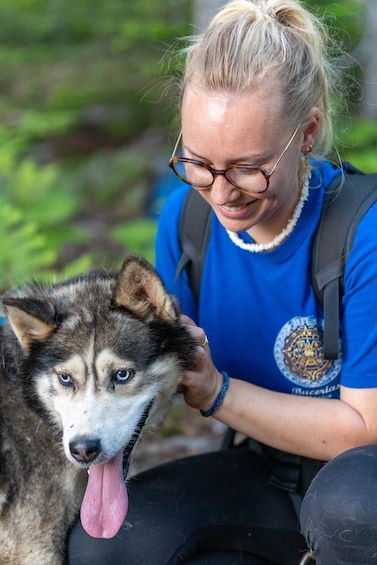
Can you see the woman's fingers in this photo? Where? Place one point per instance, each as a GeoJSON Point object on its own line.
{"type": "Point", "coordinates": [197, 333]}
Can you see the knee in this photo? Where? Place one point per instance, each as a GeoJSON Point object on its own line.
{"type": "Point", "coordinates": [339, 509]}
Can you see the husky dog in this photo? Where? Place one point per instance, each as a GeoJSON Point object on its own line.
{"type": "Point", "coordinates": [86, 364]}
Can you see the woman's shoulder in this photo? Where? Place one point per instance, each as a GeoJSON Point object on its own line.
{"type": "Point", "coordinates": [363, 247]}
{"type": "Point", "coordinates": [353, 196]}
{"type": "Point", "coordinates": [365, 240]}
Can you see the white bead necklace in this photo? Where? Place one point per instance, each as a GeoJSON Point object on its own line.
{"type": "Point", "coordinates": [260, 247]}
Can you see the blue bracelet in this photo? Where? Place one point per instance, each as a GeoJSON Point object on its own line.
{"type": "Point", "coordinates": [219, 398]}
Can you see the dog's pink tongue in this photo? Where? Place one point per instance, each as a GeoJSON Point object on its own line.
{"type": "Point", "coordinates": [105, 501]}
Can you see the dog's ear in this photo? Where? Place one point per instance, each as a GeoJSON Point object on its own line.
{"type": "Point", "coordinates": [31, 319]}
{"type": "Point", "coordinates": [140, 290]}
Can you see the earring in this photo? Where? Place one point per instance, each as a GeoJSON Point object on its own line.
{"type": "Point", "coordinates": [308, 150]}
{"type": "Point", "coordinates": [306, 170]}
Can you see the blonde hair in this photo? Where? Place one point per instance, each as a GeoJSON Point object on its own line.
{"type": "Point", "coordinates": [249, 41]}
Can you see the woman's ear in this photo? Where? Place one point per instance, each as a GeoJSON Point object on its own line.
{"type": "Point", "coordinates": [311, 130]}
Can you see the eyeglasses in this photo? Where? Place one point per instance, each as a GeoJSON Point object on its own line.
{"type": "Point", "coordinates": [253, 179]}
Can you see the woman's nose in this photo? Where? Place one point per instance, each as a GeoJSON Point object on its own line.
{"type": "Point", "coordinates": [222, 186]}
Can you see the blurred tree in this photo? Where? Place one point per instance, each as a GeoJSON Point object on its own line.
{"type": "Point", "coordinates": [366, 54]}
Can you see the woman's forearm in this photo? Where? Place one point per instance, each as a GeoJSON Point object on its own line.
{"type": "Point", "coordinates": [319, 428]}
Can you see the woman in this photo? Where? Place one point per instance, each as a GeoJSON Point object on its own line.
{"type": "Point", "coordinates": [256, 127]}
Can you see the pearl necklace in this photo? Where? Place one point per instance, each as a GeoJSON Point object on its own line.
{"type": "Point", "coordinates": [260, 247]}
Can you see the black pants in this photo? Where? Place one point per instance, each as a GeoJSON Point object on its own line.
{"type": "Point", "coordinates": [339, 511]}
{"type": "Point", "coordinates": [212, 508]}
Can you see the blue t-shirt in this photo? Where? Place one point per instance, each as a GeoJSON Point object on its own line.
{"type": "Point", "coordinates": [259, 309]}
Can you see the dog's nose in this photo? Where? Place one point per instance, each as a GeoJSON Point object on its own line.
{"type": "Point", "coordinates": [84, 450]}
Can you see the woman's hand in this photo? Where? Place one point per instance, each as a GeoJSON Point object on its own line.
{"type": "Point", "coordinates": [202, 383]}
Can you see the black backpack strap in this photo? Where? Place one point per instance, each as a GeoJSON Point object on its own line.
{"type": "Point", "coordinates": [194, 232]}
{"type": "Point", "coordinates": [346, 201]}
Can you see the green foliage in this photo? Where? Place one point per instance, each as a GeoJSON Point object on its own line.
{"type": "Point", "coordinates": [137, 237]}
{"type": "Point", "coordinates": [34, 125]}
{"type": "Point", "coordinates": [33, 216]}
{"type": "Point", "coordinates": [66, 55]}
{"type": "Point", "coordinates": [81, 99]}
{"type": "Point", "coordinates": [69, 21]}
{"type": "Point", "coordinates": [26, 251]}
{"type": "Point", "coordinates": [77, 83]}
{"type": "Point", "coordinates": [360, 144]}
{"type": "Point", "coordinates": [98, 178]}
{"type": "Point", "coordinates": [345, 19]}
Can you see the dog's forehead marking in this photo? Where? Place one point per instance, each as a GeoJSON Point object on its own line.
{"type": "Point", "coordinates": [84, 318]}
{"type": "Point", "coordinates": [93, 364]}
{"type": "Point", "coordinates": [81, 365]}
{"type": "Point", "coordinates": [106, 359]}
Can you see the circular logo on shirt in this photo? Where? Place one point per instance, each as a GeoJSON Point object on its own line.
{"type": "Point", "coordinates": [298, 353]}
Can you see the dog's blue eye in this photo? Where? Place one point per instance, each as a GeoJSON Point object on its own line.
{"type": "Point", "coordinates": [123, 375]}
{"type": "Point", "coordinates": [65, 379]}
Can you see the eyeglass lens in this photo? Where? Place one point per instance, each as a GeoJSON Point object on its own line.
{"type": "Point", "coordinates": [199, 176]}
